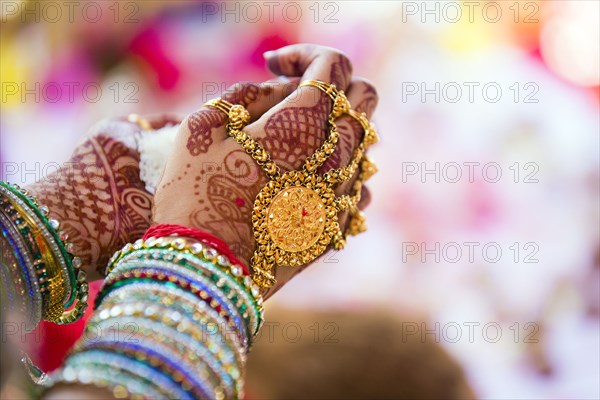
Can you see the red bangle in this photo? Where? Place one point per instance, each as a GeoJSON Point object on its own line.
{"type": "Point", "coordinates": [162, 230]}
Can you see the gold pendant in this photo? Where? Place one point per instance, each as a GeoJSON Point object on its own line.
{"type": "Point", "coordinates": [295, 218]}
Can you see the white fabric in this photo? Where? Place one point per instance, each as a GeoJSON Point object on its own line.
{"type": "Point", "coordinates": [154, 147]}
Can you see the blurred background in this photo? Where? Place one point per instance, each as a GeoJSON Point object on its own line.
{"type": "Point", "coordinates": [480, 272]}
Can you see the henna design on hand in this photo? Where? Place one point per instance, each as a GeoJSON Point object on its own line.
{"type": "Point", "coordinates": [351, 134]}
{"type": "Point", "coordinates": [370, 100]}
{"type": "Point", "coordinates": [201, 124]}
{"type": "Point", "coordinates": [100, 199]}
{"type": "Point", "coordinates": [341, 71]}
{"type": "Point", "coordinates": [292, 134]}
{"type": "Point", "coordinates": [295, 63]}
{"type": "Point", "coordinates": [231, 194]}
{"type": "Point", "coordinates": [245, 93]}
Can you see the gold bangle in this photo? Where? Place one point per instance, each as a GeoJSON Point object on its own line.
{"type": "Point", "coordinates": [57, 283]}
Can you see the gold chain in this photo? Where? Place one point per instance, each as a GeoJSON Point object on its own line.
{"type": "Point", "coordinates": [238, 117]}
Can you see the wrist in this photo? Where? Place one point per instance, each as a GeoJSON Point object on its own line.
{"type": "Point", "coordinates": [238, 237]}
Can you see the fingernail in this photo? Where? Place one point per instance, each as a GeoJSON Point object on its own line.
{"type": "Point", "coordinates": [268, 54]}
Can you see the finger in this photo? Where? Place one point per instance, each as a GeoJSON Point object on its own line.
{"type": "Point", "coordinates": [345, 188]}
{"type": "Point", "coordinates": [350, 135]}
{"type": "Point", "coordinates": [201, 129]}
{"type": "Point", "coordinates": [161, 120]}
{"type": "Point", "coordinates": [362, 96]}
{"type": "Point", "coordinates": [365, 198]}
{"type": "Point", "coordinates": [296, 127]}
{"type": "Point", "coordinates": [259, 98]}
{"type": "Point", "coordinates": [208, 124]}
{"type": "Point", "coordinates": [311, 62]}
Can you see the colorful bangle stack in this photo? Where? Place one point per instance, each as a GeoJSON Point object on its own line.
{"type": "Point", "coordinates": [174, 319]}
{"type": "Point", "coordinates": [39, 267]}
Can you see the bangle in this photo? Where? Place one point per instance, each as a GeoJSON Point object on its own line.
{"type": "Point", "coordinates": [20, 238]}
{"type": "Point", "coordinates": [22, 281]}
{"type": "Point", "coordinates": [241, 291]}
{"type": "Point", "coordinates": [191, 257]}
{"type": "Point", "coordinates": [53, 281]}
{"type": "Point", "coordinates": [45, 255]}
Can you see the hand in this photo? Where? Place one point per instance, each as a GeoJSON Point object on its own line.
{"type": "Point", "coordinates": [210, 183]}
{"type": "Point", "coordinates": [98, 195]}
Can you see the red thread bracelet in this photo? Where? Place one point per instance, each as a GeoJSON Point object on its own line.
{"type": "Point", "coordinates": [162, 230]}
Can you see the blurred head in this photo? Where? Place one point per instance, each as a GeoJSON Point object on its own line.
{"type": "Point", "coordinates": [335, 355]}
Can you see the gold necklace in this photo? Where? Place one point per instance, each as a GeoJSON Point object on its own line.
{"type": "Point", "coordinates": [295, 215]}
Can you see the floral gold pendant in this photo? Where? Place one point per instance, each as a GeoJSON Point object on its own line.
{"type": "Point", "coordinates": [294, 219]}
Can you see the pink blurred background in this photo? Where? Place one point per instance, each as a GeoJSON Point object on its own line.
{"type": "Point", "coordinates": [471, 88]}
